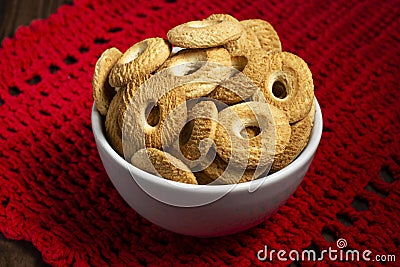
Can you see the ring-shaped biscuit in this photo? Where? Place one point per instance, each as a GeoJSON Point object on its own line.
{"type": "Point", "coordinates": [196, 138]}
{"type": "Point", "coordinates": [217, 171]}
{"type": "Point", "coordinates": [285, 82]}
{"type": "Point", "coordinates": [247, 152]}
{"type": "Point", "coordinates": [217, 55]}
{"type": "Point", "coordinates": [113, 130]}
{"type": "Point", "coordinates": [204, 33]}
{"type": "Point", "coordinates": [154, 99]}
{"type": "Point", "coordinates": [139, 61]}
{"type": "Point", "coordinates": [191, 62]}
{"type": "Point", "coordinates": [250, 131]}
{"type": "Point", "coordinates": [237, 87]}
{"type": "Point", "coordinates": [103, 93]}
{"type": "Point", "coordinates": [202, 124]}
{"type": "Point", "coordinates": [202, 178]}
{"type": "Point", "coordinates": [266, 35]}
{"type": "Point", "coordinates": [222, 16]}
{"type": "Point", "coordinates": [300, 134]}
{"type": "Point", "coordinates": [246, 42]}
{"type": "Point", "coordinates": [128, 92]}
{"type": "Point", "coordinates": [162, 164]}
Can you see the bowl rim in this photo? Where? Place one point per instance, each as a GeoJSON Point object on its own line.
{"type": "Point", "coordinates": [307, 153]}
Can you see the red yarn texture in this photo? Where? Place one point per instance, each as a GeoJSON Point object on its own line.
{"type": "Point", "coordinates": [55, 192]}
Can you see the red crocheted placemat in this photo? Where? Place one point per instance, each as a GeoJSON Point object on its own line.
{"type": "Point", "coordinates": [55, 193]}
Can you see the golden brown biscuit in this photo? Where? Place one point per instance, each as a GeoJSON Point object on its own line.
{"type": "Point", "coordinates": [139, 61]}
{"type": "Point", "coordinates": [162, 164]}
{"type": "Point", "coordinates": [218, 171]}
{"type": "Point", "coordinates": [300, 134]}
{"type": "Point", "coordinates": [103, 93]}
{"type": "Point", "coordinates": [192, 62]}
{"type": "Point", "coordinates": [266, 35]}
{"type": "Point", "coordinates": [204, 33]}
{"type": "Point", "coordinates": [216, 55]}
{"type": "Point", "coordinates": [156, 99]}
{"type": "Point", "coordinates": [227, 60]}
{"type": "Point", "coordinates": [128, 92]}
{"type": "Point", "coordinates": [221, 16]}
{"type": "Point", "coordinates": [225, 95]}
{"type": "Point", "coordinates": [201, 127]}
{"type": "Point", "coordinates": [113, 131]}
{"type": "Point", "coordinates": [197, 136]}
{"type": "Point", "coordinates": [247, 152]}
{"type": "Point", "coordinates": [246, 42]}
{"type": "Point", "coordinates": [285, 81]}
{"type": "Point", "coordinates": [238, 87]}
{"type": "Point", "coordinates": [203, 178]}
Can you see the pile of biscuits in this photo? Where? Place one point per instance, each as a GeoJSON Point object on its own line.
{"type": "Point", "coordinates": [219, 102]}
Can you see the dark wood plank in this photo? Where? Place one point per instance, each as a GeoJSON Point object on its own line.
{"type": "Point", "coordinates": [14, 13]}
{"type": "Point", "coordinates": [19, 254]}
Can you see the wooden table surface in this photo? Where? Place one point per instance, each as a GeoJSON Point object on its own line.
{"type": "Point", "coordinates": [14, 13]}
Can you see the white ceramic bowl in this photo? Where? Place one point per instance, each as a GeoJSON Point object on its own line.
{"type": "Point", "coordinates": [230, 208]}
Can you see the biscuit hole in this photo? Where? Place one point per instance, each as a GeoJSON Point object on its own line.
{"type": "Point", "coordinates": [203, 23]}
{"type": "Point", "coordinates": [14, 91]}
{"type": "Point", "coordinates": [250, 132]}
{"type": "Point", "coordinates": [186, 132]}
{"type": "Point", "coordinates": [279, 90]}
{"type": "Point", "coordinates": [239, 62]}
{"type": "Point", "coordinates": [134, 52]}
{"type": "Point", "coordinates": [152, 114]}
